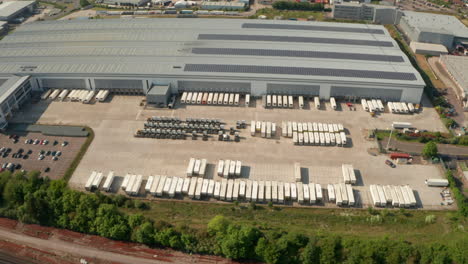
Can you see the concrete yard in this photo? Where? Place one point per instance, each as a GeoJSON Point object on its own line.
{"type": "Point", "coordinates": [115, 148]}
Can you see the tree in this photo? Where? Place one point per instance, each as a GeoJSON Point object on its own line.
{"type": "Point", "coordinates": [330, 250]}
{"type": "Point", "coordinates": [239, 242]}
{"type": "Point", "coordinates": [429, 150]}
{"type": "Point", "coordinates": [135, 220]}
{"type": "Point", "coordinates": [311, 253]}
{"type": "Point", "coordinates": [144, 233]}
{"type": "Point", "coordinates": [110, 223]}
{"type": "Point", "coordinates": [218, 224]}
{"type": "Point", "coordinates": [84, 3]}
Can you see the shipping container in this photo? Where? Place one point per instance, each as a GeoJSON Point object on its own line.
{"type": "Point", "coordinates": [217, 190]}
{"type": "Point", "coordinates": [198, 189]}
{"type": "Point", "coordinates": [205, 184]}
{"type": "Point", "coordinates": [202, 170]}
{"type": "Point", "coordinates": [285, 101]}
{"type": "Point", "coordinates": [190, 167]}
{"type": "Point", "coordinates": [254, 191]}
{"type": "Point", "coordinates": [312, 193]}
{"type": "Point", "coordinates": [230, 188]}
{"type": "Point", "coordinates": [293, 191]}
{"type": "Point", "coordinates": [167, 185]}
{"type": "Point", "coordinates": [97, 180]}
{"type": "Point", "coordinates": [301, 102]}
{"type": "Point", "coordinates": [318, 192]}
{"type": "Point", "coordinates": [89, 182]}
{"type": "Point", "coordinates": [248, 190]}
{"type": "Point", "coordinates": [186, 186]}
{"type": "Point", "coordinates": [235, 190]}
{"type": "Point", "coordinates": [196, 167]}
{"type": "Point", "coordinates": [268, 97]}
{"type": "Point", "coordinates": [364, 105]}
{"type": "Point", "coordinates": [290, 101]}
{"type": "Point", "coordinates": [221, 98]}
{"type": "Point", "coordinates": [268, 196]}
{"type": "Point", "coordinates": [287, 191]}
{"type": "Point", "coordinates": [305, 190]}
{"type": "Point", "coordinates": [331, 193]}
{"type": "Point", "coordinates": [349, 190]}
{"type": "Point", "coordinates": [182, 99]}
{"type": "Point", "coordinates": [261, 191]}
{"type": "Point", "coordinates": [205, 98]}
{"type": "Point", "coordinates": [155, 184]}
{"type": "Point", "coordinates": [280, 192]}
{"type": "Point", "coordinates": [162, 183]}
{"type": "Point", "coordinates": [222, 193]}
{"type": "Point", "coordinates": [242, 189]}
{"type": "Point", "coordinates": [215, 99]}
{"type": "Point", "coordinates": [437, 182]}
{"type": "Point", "coordinates": [317, 102]}
{"type": "Point", "coordinates": [227, 164]}
{"type": "Point", "coordinates": [247, 100]}
{"type": "Point", "coordinates": [210, 98]}
{"type": "Point", "coordinates": [200, 98]}
{"type": "Point", "coordinates": [338, 195]}
{"type": "Point", "coordinates": [333, 103]}
{"type": "Point", "coordinates": [149, 183]}
{"type": "Point", "coordinates": [231, 99]}
{"type": "Point", "coordinates": [179, 186]}
{"type": "Point", "coordinates": [238, 168]}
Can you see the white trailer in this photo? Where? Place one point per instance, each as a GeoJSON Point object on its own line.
{"type": "Point", "coordinates": [160, 188]}
{"type": "Point", "coordinates": [214, 101]}
{"type": "Point", "coordinates": [305, 190]}
{"type": "Point", "coordinates": [280, 192]}
{"type": "Point", "coordinates": [193, 187]}
{"type": "Point", "coordinates": [364, 105]}
{"type": "Point", "coordinates": [242, 188]}
{"type": "Point", "coordinates": [391, 108]}
{"type": "Point", "coordinates": [202, 170]}
{"type": "Point", "coordinates": [437, 182]}
{"type": "Point", "coordinates": [210, 98]}
{"type": "Point", "coordinates": [54, 94]}
{"type": "Point", "coordinates": [188, 100]}
{"type": "Point", "coordinates": [108, 182]}
{"type": "Point", "coordinates": [312, 193]}
{"type": "Point", "coordinates": [340, 128]}
{"type": "Point", "coordinates": [131, 182]}
{"type": "Point", "coordinates": [247, 100]}
{"type": "Point", "coordinates": [89, 97]}
{"type": "Point", "coordinates": [268, 129]}
{"type": "Point", "coordinates": [268, 102]}
{"type": "Point", "coordinates": [338, 195]}
{"type": "Point", "coordinates": [327, 138]}
{"type": "Point", "coordinates": [258, 126]}
{"type": "Point", "coordinates": [299, 128]}
{"type": "Point", "coordinates": [349, 190]}
{"type": "Point", "coordinates": [380, 105]}
{"type": "Point", "coordinates": [274, 101]}
{"type": "Point", "coordinates": [199, 98]}
{"type": "Point", "coordinates": [293, 191]}
{"type": "Point", "coordinates": [331, 193]}
{"type": "Point", "coordinates": [333, 103]}
{"type": "Point", "coordinates": [230, 188]}
{"type": "Point", "coordinates": [83, 95]}
{"type": "Point", "coordinates": [290, 101]}
{"type": "Point", "coordinates": [395, 201]}
{"type": "Point", "coordinates": [182, 98]}
{"type": "Point", "coordinates": [46, 94]}
{"type": "Point", "coordinates": [104, 96]}
{"type": "Point", "coordinates": [97, 180]}
{"type": "Point", "coordinates": [263, 130]}
{"type": "Point", "coordinates": [89, 182]}
{"type": "Point", "coordinates": [285, 101]}
{"type": "Point", "coordinates": [332, 139]}
{"type": "Point", "coordinates": [284, 129]}
{"type": "Point", "coordinates": [196, 168]}
{"type": "Point", "coordinates": [382, 198]}
{"type": "Point", "coordinates": [297, 172]}
{"type": "Point", "coordinates": [300, 192]}
{"type": "Point", "coordinates": [405, 107]}
{"type": "Point", "coordinates": [411, 196]}
{"type": "Point", "coordinates": [388, 194]}
{"type": "Point", "coordinates": [227, 164]}
{"type": "Point", "coordinates": [252, 128]}
{"type": "Point", "coordinates": [306, 138]}
{"type": "Point", "coordinates": [345, 172]}
{"type": "Point", "coordinates": [194, 98]}
{"type": "Point", "coordinates": [137, 185]}
{"type": "Point", "coordinates": [318, 192]}
{"type": "Point", "coordinates": [222, 193]}
{"type": "Point", "coordinates": [311, 138]}
{"type": "Point", "coordinates": [375, 106]}
{"type": "Point", "coordinates": [232, 168]}
{"type": "Point", "coordinates": [220, 168]}
{"type": "Point", "coordinates": [315, 127]}
{"type": "Point", "coordinates": [190, 167]}
{"type": "Point", "coordinates": [198, 189]}
{"type": "Point", "coordinates": [401, 125]}
{"type": "Point", "coordinates": [273, 129]}
{"type": "Point", "coordinates": [268, 195]}
{"type": "Point", "coordinates": [125, 181]}
{"type": "Point", "coordinates": [287, 191]}
{"type": "Point", "coordinates": [301, 102]}
{"type": "Point", "coordinates": [352, 174]}
{"type": "Point", "coordinates": [374, 195]}
{"type": "Point", "coordinates": [322, 139]}
{"type": "Point", "coordinates": [221, 98]}
{"type": "Point", "coordinates": [248, 190]}
{"type": "Point", "coordinates": [401, 200]}
{"type": "Point", "coordinates": [217, 190]}
{"type": "Point", "coordinates": [204, 190]}
{"type": "Point", "coordinates": [167, 185]}
{"type": "Point", "coordinates": [149, 183]}
{"type": "Point", "coordinates": [71, 94]}
{"type": "Point", "coordinates": [406, 198]}
{"type": "Point", "coordinates": [231, 99]}
{"type": "Point", "coordinates": [179, 186]}
{"type": "Point", "coordinates": [261, 191]}
{"type": "Point", "coordinates": [155, 184]}
{"type": "Point", "coordinates": [320, 127]}
{"type": "Point", "coordinates": [274, 191]}
{"type": "Point", "coordinates": [344, 193]}
{"type": "Point", "coordinates": [186, 186]}
{"type": "Point", "coordinates": [317, 102]}
{"type": "Point", "coordinates": [280, 101]}
{"type": "Point", "coordinates": [235, 190]}
{"type": "Point", "coordinates": [290, 130]}
{"type": "Point", "coordinates": [254, 191]}
{"type": "Point", "coordinates": [411, 107]}
{"type": "Point", "coordinates": [63, 94]}
{"type": "Point", "coordinates": [238, 168]}
{"type": "Point", "coordinates": [338, 139]}
{"type": "Point", "coordinates": [343, 138]}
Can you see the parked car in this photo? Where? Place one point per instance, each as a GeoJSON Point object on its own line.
{"type": "Point", "coordinates": [64, 143]}
{"type": "Point", "coordinates": [389, 163]}
{"type": "Point", "coordinates": [48, 153]}
{"type": "Point", "coordinates": [41, 157]}
{"type": "Point", "coordinates": [54, 158]}
{"type": "Point", "coordinates": [59, 153]}
{"type": "Point", "coordinates": [47, 169]}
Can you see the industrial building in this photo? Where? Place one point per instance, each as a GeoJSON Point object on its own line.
{"type": "Point", "coordinates": [125, 2]}
{"type": "Point", "coordinates": [379, 14]}
{"type": "Point", "coordinates": [222, 5]}
{"type": "Point", "coordinates": [11, 10]}
{"type": "Point", "coordinates": [457, 67]}
{"type": "Point", "coordinates": [428, 48]}
{"type": "Point", "coordinates": [227, 55]}
{"type": "Point", "coordinates": [433, 28]}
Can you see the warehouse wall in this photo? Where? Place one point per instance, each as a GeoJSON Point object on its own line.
{"type": "Point", "coordinates": [293, 89]}
{"type": "Point", "coordinates": [63, 83]}
{"type": "Point", "coordinates": [214, 86]}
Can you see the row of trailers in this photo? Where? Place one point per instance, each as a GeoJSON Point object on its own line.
{"type": "Point", "coordinates": [376, 105]}
{"type": "Point", "coordinates": [396, 196]}
{"type": "Point", "coordinates": [84, 96]}
{"type": "Point", "coordinates": [313, 133]}
{"type": "Point", "coordinates": [287, 101]}
{"type": "Point", "coordinates": [213, 98]}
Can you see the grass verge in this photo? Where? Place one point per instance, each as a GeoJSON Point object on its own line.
{"type": "Point", "coordinates": [69, 172]}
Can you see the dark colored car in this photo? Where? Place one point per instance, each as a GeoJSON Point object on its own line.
{"type": "Point", "coordinates": [389, 163]}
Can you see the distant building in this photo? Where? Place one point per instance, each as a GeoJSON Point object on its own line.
{"type": "Point", "coordinates": [433, 28]}
{"type": "Point", "coordinates": [379, 14]}
{"type": "Point", "coordinates": [428, 48]}
{"type": "Point", "coordinates": [9, 11]}
{"type": "Point", "coordinates": [126, 2]}
{"type": "Point", "coordinates": [222, 5]}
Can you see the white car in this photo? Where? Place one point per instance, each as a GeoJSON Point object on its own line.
{"type": "Point", "coordinates": [41, 157]}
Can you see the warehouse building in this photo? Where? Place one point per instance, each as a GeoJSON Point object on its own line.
{"type": "Point", "coordinates": [432, 28]}
{"type": "Point", "coordinates": [11, 10]}
{"type": "Point", "coordinates": [379, 14]}
{"type": "Point", "coordinates": [226, 55]}
{"type": "Point", "coordinates": [457, 67]}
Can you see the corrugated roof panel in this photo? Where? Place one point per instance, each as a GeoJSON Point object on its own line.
{"type": "Point", "coordinates": [313, 27]}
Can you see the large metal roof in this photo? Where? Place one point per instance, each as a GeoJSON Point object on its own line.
{"type": "Point", "coordinates": [443, 24]}
{"type": "Point", "coordinates": [10, 8]}
{"type": "Point", "coordinates": [163, 47]}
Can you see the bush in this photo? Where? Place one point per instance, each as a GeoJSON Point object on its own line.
{"type": "Point", "coordinates": [430, 219]}
{"type": "Point", "coordinates": [429, 150]}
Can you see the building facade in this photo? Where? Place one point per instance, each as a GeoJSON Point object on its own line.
{"type": "Point", "coordinates": [375, 13]}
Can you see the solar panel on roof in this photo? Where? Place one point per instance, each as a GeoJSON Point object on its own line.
{"type": "Point", "coordinates": [375, 43]}
{"type": "Point", "coordinates": [299, 71]}
{"type": "Point", "coordinates": [313, 27]}
{"type": "Point", "coordinates": [298, 53]}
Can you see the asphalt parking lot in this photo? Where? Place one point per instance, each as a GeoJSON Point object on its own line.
{"type": "Point", "coordinates": [115, 148]}
{"type": "Point", "coordinates": [57, 167]}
